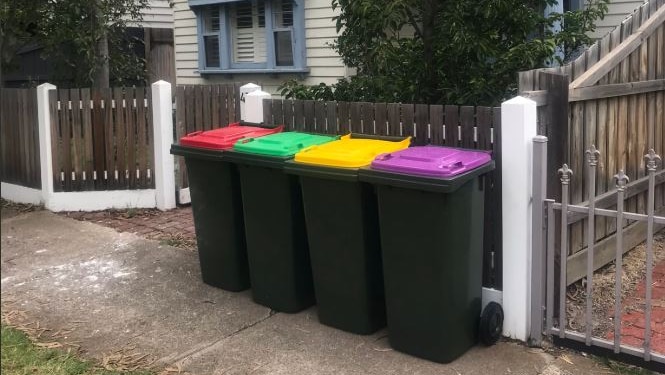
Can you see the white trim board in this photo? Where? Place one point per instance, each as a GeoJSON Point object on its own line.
{"type": "Point", "coordinates": [21, 194]}
{"type": "Point", "coordinates": [101, 200]}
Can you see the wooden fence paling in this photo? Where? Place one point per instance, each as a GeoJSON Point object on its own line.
{"type": "Point", "coordinates": [65, 139]}
{"type": "Point", "coordinates": [19, 137]}
{"type": "Point", "coordinates": [150, 158]}
{"type": "Point", "coordinates": [142, 150]}
{"type": "Point", "coordinates": [496, 207]}
{"type": "Point", "coordinates": [132, 113]}
{"type": "Point", "coordinates": [407, 120]}
{"type": "Point", "coordinates": [452, 125]}
{"type": "Point", "coordinates": [55, 139]}
{"type": "Point", "coordinates": [394, 119]}
{"type": "Point", "coordinates": [436, 124]}
{"type": "Point", "coordinates": [331, 118]}
{"type": "Point", "coordinates": [86, 128]}
{"type": "Point", "coordinates": [422, 123]}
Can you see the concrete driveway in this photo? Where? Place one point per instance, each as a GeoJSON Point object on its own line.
{"type": "Point", "coordinates": [111, 293]}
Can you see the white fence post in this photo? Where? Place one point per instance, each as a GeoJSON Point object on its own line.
{"type": "Point", "coordinates": [518, 119]}
{"type": "Point", "coordinates": [45, 147]}
{"type": "Point", "coordinates": [244, 91]}
{"type": "Point", "coordinates": [162, 123]}
{"type": "Point", "coordinates": [254, 106]}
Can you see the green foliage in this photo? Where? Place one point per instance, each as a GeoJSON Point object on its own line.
{"type": "Point", "coordinates": [17, 24]}
{"type": "Point", "coordinates": [450, 51]}
{"type": "Point", "coordinates": [21, 357]}
{"type": "Point", "coordinates": [70, 32]}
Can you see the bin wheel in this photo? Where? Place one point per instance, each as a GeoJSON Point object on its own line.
{"type": "Point", "coordinates": [491, 324]}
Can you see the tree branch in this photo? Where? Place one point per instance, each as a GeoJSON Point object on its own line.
{"type": "Point", "coordinates": [414, 23]}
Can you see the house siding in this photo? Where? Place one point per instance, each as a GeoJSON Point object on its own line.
{"type": "Point", "coordinates": [618, 10]}
{"type": "Point", "coordinates": [158, 15]}
{"type": "Point", "coordinates": [323, 63]}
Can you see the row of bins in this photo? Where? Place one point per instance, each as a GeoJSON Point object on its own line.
{"type": "Point", "coordinates": [372, 231]}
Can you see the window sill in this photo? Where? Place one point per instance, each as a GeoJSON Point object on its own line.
{"type": "Point", "coordinates": [249, 71]}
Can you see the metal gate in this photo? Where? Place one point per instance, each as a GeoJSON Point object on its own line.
{"type": "Point", "coordinates": [551, 224]}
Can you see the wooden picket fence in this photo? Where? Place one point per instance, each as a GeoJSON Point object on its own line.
{"type": "Point", "coordinates": [446, 125]}
{"type": "Point", "coordinates": [205, 107]}
{"type": "Point", "coordinates": [102, 139]}
{"type": "Point", "coordinates": [19, 138]}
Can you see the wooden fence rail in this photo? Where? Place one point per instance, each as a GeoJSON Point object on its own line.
{"type": "Point", "coordinates": [102, 139]}
{"type": "Point", "coordinates": [19, 138]}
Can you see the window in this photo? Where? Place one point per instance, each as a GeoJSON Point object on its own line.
{"type": "Point", "coordinates": [571, 5]}
{"type": "Point", "coordinates": [250, 36]}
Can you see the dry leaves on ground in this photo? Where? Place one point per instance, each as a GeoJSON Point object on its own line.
{"type": "Point", "coordinates": [633, 272]}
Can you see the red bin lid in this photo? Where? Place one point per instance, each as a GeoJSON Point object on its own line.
{"type": "Point", "coordinates": [225, 138]}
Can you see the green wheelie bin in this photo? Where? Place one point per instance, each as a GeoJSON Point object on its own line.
{"type": "Point", "coordinates": [216, 203]}
{"type": "Point", "coordinates": [430, 203]}
{"type": "Point", "coordinates": [342, 228]}
{"type": "Point", "coordinates": [277, 247]}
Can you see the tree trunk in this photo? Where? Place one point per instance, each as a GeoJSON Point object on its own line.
{"type": "Point", "coordinates": [429, 84]}
{"type": "Point", "coordinates": [101, 78]}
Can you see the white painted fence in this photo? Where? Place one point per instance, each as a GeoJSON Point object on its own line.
{"type": "Point", "coordinates": [162, 197]}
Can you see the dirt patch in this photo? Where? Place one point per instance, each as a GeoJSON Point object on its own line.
{"type": "Point", "coordinates": [11, 209]}
{"type": "Point", "coordinates": [633, 273]}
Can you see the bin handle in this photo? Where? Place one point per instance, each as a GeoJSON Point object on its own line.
{"type": "Point", "coordinates": [194, 133]}
{"type": "Point", "coordinates": [246, 140]}
{"type": "Point", "coordinates": [453, 166]}
{"type": "Point", "coordinates": [308, 149]}
{"type": "Point", "coordinates": [385, 156]}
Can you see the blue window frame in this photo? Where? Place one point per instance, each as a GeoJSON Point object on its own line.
{"type": "Point", "coordinates": [250, 36]}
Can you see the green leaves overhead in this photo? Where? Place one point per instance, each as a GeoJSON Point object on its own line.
{"type": "Point", "coordinates": [70, 32]}
{"type": "Point", "coordinates": [448, 51]}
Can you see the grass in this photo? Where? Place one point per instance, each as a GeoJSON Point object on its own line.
{"type": "Point", "coordinates": [21, 357]}
{"type": "Point", "coordinates": [179, 241]}
{"type": "Point", "coordinates": [620, 368]}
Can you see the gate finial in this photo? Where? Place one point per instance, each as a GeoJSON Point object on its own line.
{"type": "Point", "coordinates": [565, 173]}
{"type": "Point", "coordinates": [592, 155]}
{"type": "Point", "coordinates": [622, 180]}
{"type": "Point", "coordinates": [652, 160]}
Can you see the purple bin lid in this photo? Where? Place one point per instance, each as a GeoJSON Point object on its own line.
{"type": "Point", "coordinates": [431, 161]}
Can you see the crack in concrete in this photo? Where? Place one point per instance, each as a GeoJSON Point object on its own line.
{"type": "Point", "coordinates": [206, 347]}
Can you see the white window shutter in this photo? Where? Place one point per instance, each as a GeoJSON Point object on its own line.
{"type": "Point", "coordinates": [249, 42]}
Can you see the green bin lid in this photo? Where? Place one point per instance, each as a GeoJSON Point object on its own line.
{"type": "Point", "coordinates": [281, 144]}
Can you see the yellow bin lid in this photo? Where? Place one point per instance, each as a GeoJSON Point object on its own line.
{"type": "Point", "coordinates": [349, 152]}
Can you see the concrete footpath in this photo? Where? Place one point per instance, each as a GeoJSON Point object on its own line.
{"type": "Point", "coordinates": [116, 294]}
